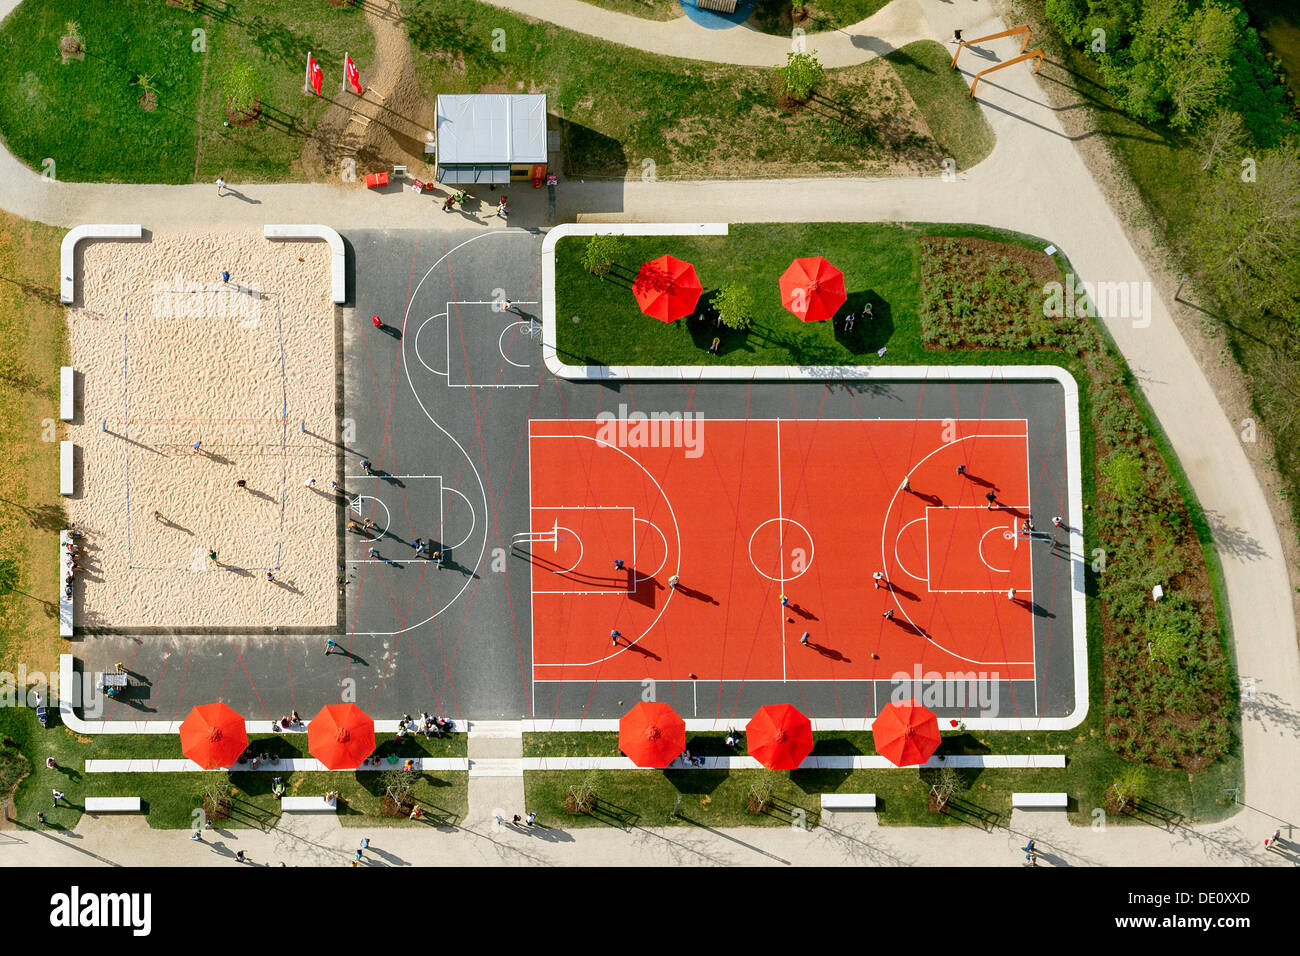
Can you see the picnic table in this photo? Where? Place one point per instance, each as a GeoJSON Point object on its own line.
{"type": "Point", "coordinates": [114, 683]}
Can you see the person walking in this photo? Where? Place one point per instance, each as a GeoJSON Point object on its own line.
{"type": "Point", "coordinates": [848, 322]}
{"type": "Point", "coordinates": [212, 556]}
{"type": "Point", "coordinates": [365, 462]}
{"type": "Point", "coordinates": [270, 577]}
{"type": "Point", "coordinates": [991, 498]}
{"type": "Point", "coordinates": [330, 645]}
{"type": "Point", "coordinates": [309, 483]}
{"type": "Point", "coordinates": [961, 469]}
{"type": "Point", "coordinates": [242, 483]}
{"type": "Point", "coordinates": [785, 601]}
{"type": "Point", "coordinates": [239, 857]}
{"type": "Point", "coordinates": [516, 820]}
{"type": "Point", "coordinates": [365, 843]}
{"type": "Point", "coordinates": [715, 344]}
{"type": "Point", "coordinates": [198, 445]}
{"type": "Point", "coordinates": [225, 275]}
{"type": "Point", "coordinates": [501, 207]}
{"type": "Point", "coordinates": [956, 37]}
{"type": "Point", "coordinates": [221, 186]}
{"type": "Point", "coordinates": [49, 763]}
{"type": "Point", "coordinates": [356, 857]}
{"type": "Point", "coordinates": [1011, 594]}
{"type": "Point", "coordinates": [804, 640]}
{"type": "Point", "coordinates": [672, 581]}
{"type": "Point", "coordinates": [448, 203]}
{"type": "Point", "coordinates": [888, 615]}
{"type": "Point", "coordinates": [505, 306]}
{"type": "Point", "coordinates": [1057, 521]}
{"type": "Point", "coordinates": [531, 817]}
{"type": "Point", "coordinates": [618, 564]}
{"type": "Point", "coordinates": [907, 483]}
{"type": "Point", "coordinates": [418, 545]}
{"type": "Point", "coordinates": [877, 577]}
{"type": "Point", "coordinates": [374, 319]}
{"type": "Point", "coordinates": [197, 835]}
{"type": "Point", "coordinates": [58, 795]}
{"type": "Point", "coordinates": [40, 817]}
{"type": "Point", "coordinates": [614, 636]}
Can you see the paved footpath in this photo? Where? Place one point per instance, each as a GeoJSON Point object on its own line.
{"type": "Point", "coordinates": [1034, 182]}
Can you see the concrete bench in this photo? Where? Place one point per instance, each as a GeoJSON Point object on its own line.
{"type": "Point", "coordinates": [1040, 801]}
{"type": "Point", "coordinates": [67, 481]}
{"type": "Point", "coordinates": [68, 252]}
{"type": "Point", "coordinates": [848, 801]}
{"type": "Point", "coordinates": [338, 258]}
{"type": "Point", "coordinates": [66, 397]}
{"type": "Point", "coordinates": [112, 804]}
{"type": "Point", "coordinates": [65, 605]}
{"type": "Point", "coordinates": [307, 805]}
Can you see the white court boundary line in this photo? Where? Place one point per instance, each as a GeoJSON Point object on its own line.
{"type": "Point", "coordinates": [990, 374]}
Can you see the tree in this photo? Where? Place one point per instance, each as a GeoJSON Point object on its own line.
{"type": "Point", "coordinates": [71, 44]}
{"type": "Point", "coordinates": [581, 798]}
{"type": "Point", "coordinates": [759, 797]}
{"type": "Point", "coordinates": [148, 92]}
{"type": "Point", "coordinates": [1127, 789]}
{"type": "Point", "coordinates": [398, 785]}
{"type": "Point", "coordinates": [1245, 235]}
{"type": "Point", "coordinates": [1179, 65]}
{"type": "Point", "coordinates": [801, 74]}
{"type": "Point", "coordinates": [947, 784]}
{"type": "Point", "coordinates": [601, 252]}
{"type": "Point", "coordinates": [1221, 135]}
{"type": "Point", "coordinates": [735, 305]}
{"type": "Point", "coordinates": [243, 88]}
{"type": "Point", "coordinates": [1199, 79]}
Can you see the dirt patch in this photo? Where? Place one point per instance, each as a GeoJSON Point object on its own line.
{"type": "Point", "coordinates": [389, 123]}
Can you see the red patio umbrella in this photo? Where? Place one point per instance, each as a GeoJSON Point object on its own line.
{"type": "Point", "coordinates": [779, 737]}
{"type": "Point", "coordinates": [341, 736]}
{"type": "Point", "coordinates": [667, 288]}
{"type": "Point", "coordinates": [651, 734]}
{"type": "Point", "coordinates": [213, 736]}
{"type": "Point", "coordinates": [906, 733]}
{"type": "Point", "coordinates": [813, 289]}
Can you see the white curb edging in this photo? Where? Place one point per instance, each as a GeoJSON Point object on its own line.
{"type": "Point", "coordinates": [338, 258]}
{"type": "Point", "coordinates": [68, 252]}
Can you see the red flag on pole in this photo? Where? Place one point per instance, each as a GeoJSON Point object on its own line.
{"type": "Point", "coordinates": [314, 75]}
{"type": "Point", "coordinates": [352, 75]}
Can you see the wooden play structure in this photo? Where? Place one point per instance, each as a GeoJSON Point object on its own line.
{"type": "Point", "coordinates": [1023, 30]}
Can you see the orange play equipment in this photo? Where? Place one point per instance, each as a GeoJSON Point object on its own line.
{"type": "Point", "coordinates": [1023, 30]}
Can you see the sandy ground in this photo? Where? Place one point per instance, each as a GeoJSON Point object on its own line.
{"type": "Point", "coordinates": [172, 355]}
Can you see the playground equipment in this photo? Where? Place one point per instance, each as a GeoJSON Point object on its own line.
{"type": "Point", "coordinates": [1023, 30]}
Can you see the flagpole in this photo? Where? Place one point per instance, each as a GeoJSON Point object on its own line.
{"type": "Point", "coordinates": [306, 79]}
{"type": "Point", "coordinates": [343, 85]}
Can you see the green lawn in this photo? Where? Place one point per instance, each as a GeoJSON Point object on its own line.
{"type": "Point", "coordinates": [622, 112]}
{"type": "Point", "coordinates": [33, 345]}
{"type": "Point", "coordinates": [86, 115]}
{"type": "Point", "coordinates": [170, 799]}
{"type": "Point", "coordinates": [881, 263]}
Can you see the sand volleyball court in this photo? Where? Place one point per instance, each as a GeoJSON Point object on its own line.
{"type": "Point", "coordinates": [172, 355]}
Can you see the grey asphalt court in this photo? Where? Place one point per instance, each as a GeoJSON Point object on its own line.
{"type": "Point", "coordinates": [439, 401]}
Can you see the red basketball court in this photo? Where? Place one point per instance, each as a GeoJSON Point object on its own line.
{"type": "Point", "coordinates": [761, 508]}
